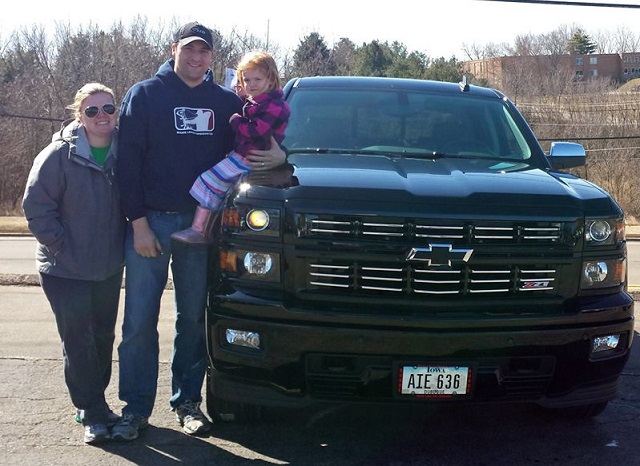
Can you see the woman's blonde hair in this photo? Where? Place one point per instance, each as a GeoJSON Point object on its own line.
{"type": "Point", "coordinates": [262, 61]}
{"type": "Point", "coordinates": [84, 92]}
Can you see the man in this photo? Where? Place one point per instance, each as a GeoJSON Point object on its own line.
{"type": "Point", "coordinates": [172, 127]}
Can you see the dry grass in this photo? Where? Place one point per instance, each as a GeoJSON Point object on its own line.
{"type": "Point", "coordinates": [630, 86]}
{"type": "Point", "coordinates": [13, 226]}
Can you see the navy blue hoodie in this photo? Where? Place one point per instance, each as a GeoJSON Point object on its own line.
{"type": "Point", "coordinates": [169, 133]}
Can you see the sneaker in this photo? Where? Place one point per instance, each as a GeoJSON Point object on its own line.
{"type": "Point", "coordinates": [96, 433]}
{"type": "Point", "coordinates": [191, 418]}
{"type": "Point", "coordinates": [128, 427]}
{"type": "Point", "coordinates": [112, 418]}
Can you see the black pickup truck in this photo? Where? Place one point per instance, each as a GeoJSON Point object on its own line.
{"type": "Point", "coordinates": [419, 247]}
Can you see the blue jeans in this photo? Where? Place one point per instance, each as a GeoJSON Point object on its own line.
{"type": "Point", "coordinates": [85, 312]}
{"type": "Point", "coordinates": [145, 280]}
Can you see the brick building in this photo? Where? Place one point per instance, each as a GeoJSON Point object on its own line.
{"type": "Point", "coordinates": [612, 66]}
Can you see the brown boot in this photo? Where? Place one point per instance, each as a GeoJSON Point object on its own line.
{"type": "Point", "coordinates": [201, 230]}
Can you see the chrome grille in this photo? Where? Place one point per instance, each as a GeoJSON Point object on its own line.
{"type": "Point", "coordinates": [417, 279]}
{"type": "Point", "coordinates": [401, 229]}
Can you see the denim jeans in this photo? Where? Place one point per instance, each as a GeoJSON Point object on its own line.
{"type": "Point", "coordinates": [145, 280]}
{"type": "Point", "coordinates": [85, 312]}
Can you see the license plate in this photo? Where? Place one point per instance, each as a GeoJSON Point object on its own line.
{"type": "Point", "coordinates": [434, 381]}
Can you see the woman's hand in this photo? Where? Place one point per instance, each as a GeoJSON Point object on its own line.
{"type": "Point", "coordinates": [267, 159]}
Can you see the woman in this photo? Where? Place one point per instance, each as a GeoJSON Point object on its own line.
{"type": "Point", "coordinates": [73, 210]}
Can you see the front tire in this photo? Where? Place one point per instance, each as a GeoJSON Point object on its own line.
{"type": "Point", "coordinates": [230, 411]}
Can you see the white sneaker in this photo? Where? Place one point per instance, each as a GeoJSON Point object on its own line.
{"type": "Point", "coordinates": [96, 433]}
{"type": "Point", "coordinates": [192, 419]}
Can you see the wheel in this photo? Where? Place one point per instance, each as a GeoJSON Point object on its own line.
{"type": "Point", "coordinates": [231, 411]}
{"type": "Point", "coordinates": [581, 412]}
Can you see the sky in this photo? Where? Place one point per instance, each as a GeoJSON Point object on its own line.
{"type": "Point", "coordinates": [437, 28]}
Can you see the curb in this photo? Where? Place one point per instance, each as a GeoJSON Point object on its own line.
{"type": "Point", "coordinates": [28, 279]}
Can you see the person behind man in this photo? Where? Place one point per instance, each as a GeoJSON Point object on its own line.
{"type": "Point", "coordinates": [73, 210]}
{"type": "Point", "coordinates": [172, 127]}
{"type": "Point", "coordinates": [264, 115]}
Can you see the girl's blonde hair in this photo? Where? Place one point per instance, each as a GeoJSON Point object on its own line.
{"type": "Point", "coordinates": [84, 92]}
{"type": "Point", "coordinates": [262, 61]}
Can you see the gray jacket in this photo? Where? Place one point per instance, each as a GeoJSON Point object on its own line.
{"type": "Point", "coordinates": [73, 209]}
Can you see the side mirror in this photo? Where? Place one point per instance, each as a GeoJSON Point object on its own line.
{"type": "Point", "coordinates": [564, 155]}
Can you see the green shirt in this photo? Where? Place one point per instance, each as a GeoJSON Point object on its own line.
{"type": "Point", "coordinates": [100, 154]}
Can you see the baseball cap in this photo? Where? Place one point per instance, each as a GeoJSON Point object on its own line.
{"type": "Point", "coordinates": [193, 31]}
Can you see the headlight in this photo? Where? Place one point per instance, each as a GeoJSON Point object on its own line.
{"type": "Point", "coordinates": [603, 273]}
{"type": "Point", "coordinates": [251, 265]}
{"type": "Point", "coordinates": [603, 231]}
{"type": "Point", "coordinates": [258, 263]}
{"type": "Point", "coordinates": [598, 231]}
{"type": "Point", "coordinates": [257, 219]}
{"type": "Point", "coordinates": [245, 220]}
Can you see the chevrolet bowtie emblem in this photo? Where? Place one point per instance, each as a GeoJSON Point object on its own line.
{"type": "Point", "coordinates": [439, 255]}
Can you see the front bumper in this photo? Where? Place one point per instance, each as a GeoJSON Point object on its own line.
{"type": "Point", "coordinates": [301, 362]}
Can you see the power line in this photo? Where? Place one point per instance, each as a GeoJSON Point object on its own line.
{"type": "Point", "coordinates": [567, 3]}
{"type": "Point", "coordinates": [26, 117]}
{"type": "Point", "coordinates": [608, 149]}
{"type": "Point", "coordinates": [594, 138]}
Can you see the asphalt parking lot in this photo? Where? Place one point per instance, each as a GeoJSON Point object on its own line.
{"type": "Point", "coordinates": [37, 428]}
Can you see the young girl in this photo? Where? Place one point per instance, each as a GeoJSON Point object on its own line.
{"type": "Point", "coordinates": [265, 114]}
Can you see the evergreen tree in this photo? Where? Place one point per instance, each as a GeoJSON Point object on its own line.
{"type": "Point", "coordinates": [581, 44]}
{"type": "Point", "coordinates": [312, 57]}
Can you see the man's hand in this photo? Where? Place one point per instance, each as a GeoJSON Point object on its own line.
{"type": "Point", "coordinates": [267, 159]}
{"type": "Point", "coordinates": [281, 176]}
{"type": "Point", "coordinates": [145, 242]}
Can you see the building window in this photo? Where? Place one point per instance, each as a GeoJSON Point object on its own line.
{"type": "Point", "coordinates": [579, 74]}
{"type": "Point", "coordinates": [579, 61]}
{"type": "Point", "coordinates": [593, 73]}
{"type": "Point", "coordinates": [593, 60]}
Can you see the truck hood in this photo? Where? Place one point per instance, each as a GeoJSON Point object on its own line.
{"type": "Point", "coordinates": [451, 183]}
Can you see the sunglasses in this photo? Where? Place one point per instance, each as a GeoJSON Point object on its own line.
{"type": "Point", "coordinates": [91, 112]}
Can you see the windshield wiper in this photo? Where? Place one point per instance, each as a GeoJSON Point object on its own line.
{"type": "Point", "coordinates": [391, 152]}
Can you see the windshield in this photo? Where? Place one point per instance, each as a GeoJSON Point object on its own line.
{"type": "Point", "coordinates": [403, 123]}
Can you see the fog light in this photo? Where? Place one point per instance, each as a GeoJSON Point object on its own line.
{"type": "Point", "coordinates": [244, 338]}
{"type": "Point", "coordinates": [605, 343]}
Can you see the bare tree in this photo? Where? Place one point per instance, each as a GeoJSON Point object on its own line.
{"type": "Point", "coordinates": [40, 77]}
{"type": "Point", "coordinates": [478, 52]}
{"type": "Point", "coordinates": [623, 40]}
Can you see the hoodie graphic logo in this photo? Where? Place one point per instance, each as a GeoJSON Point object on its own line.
{"type": "Point", "coordinates": [193, 120]}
